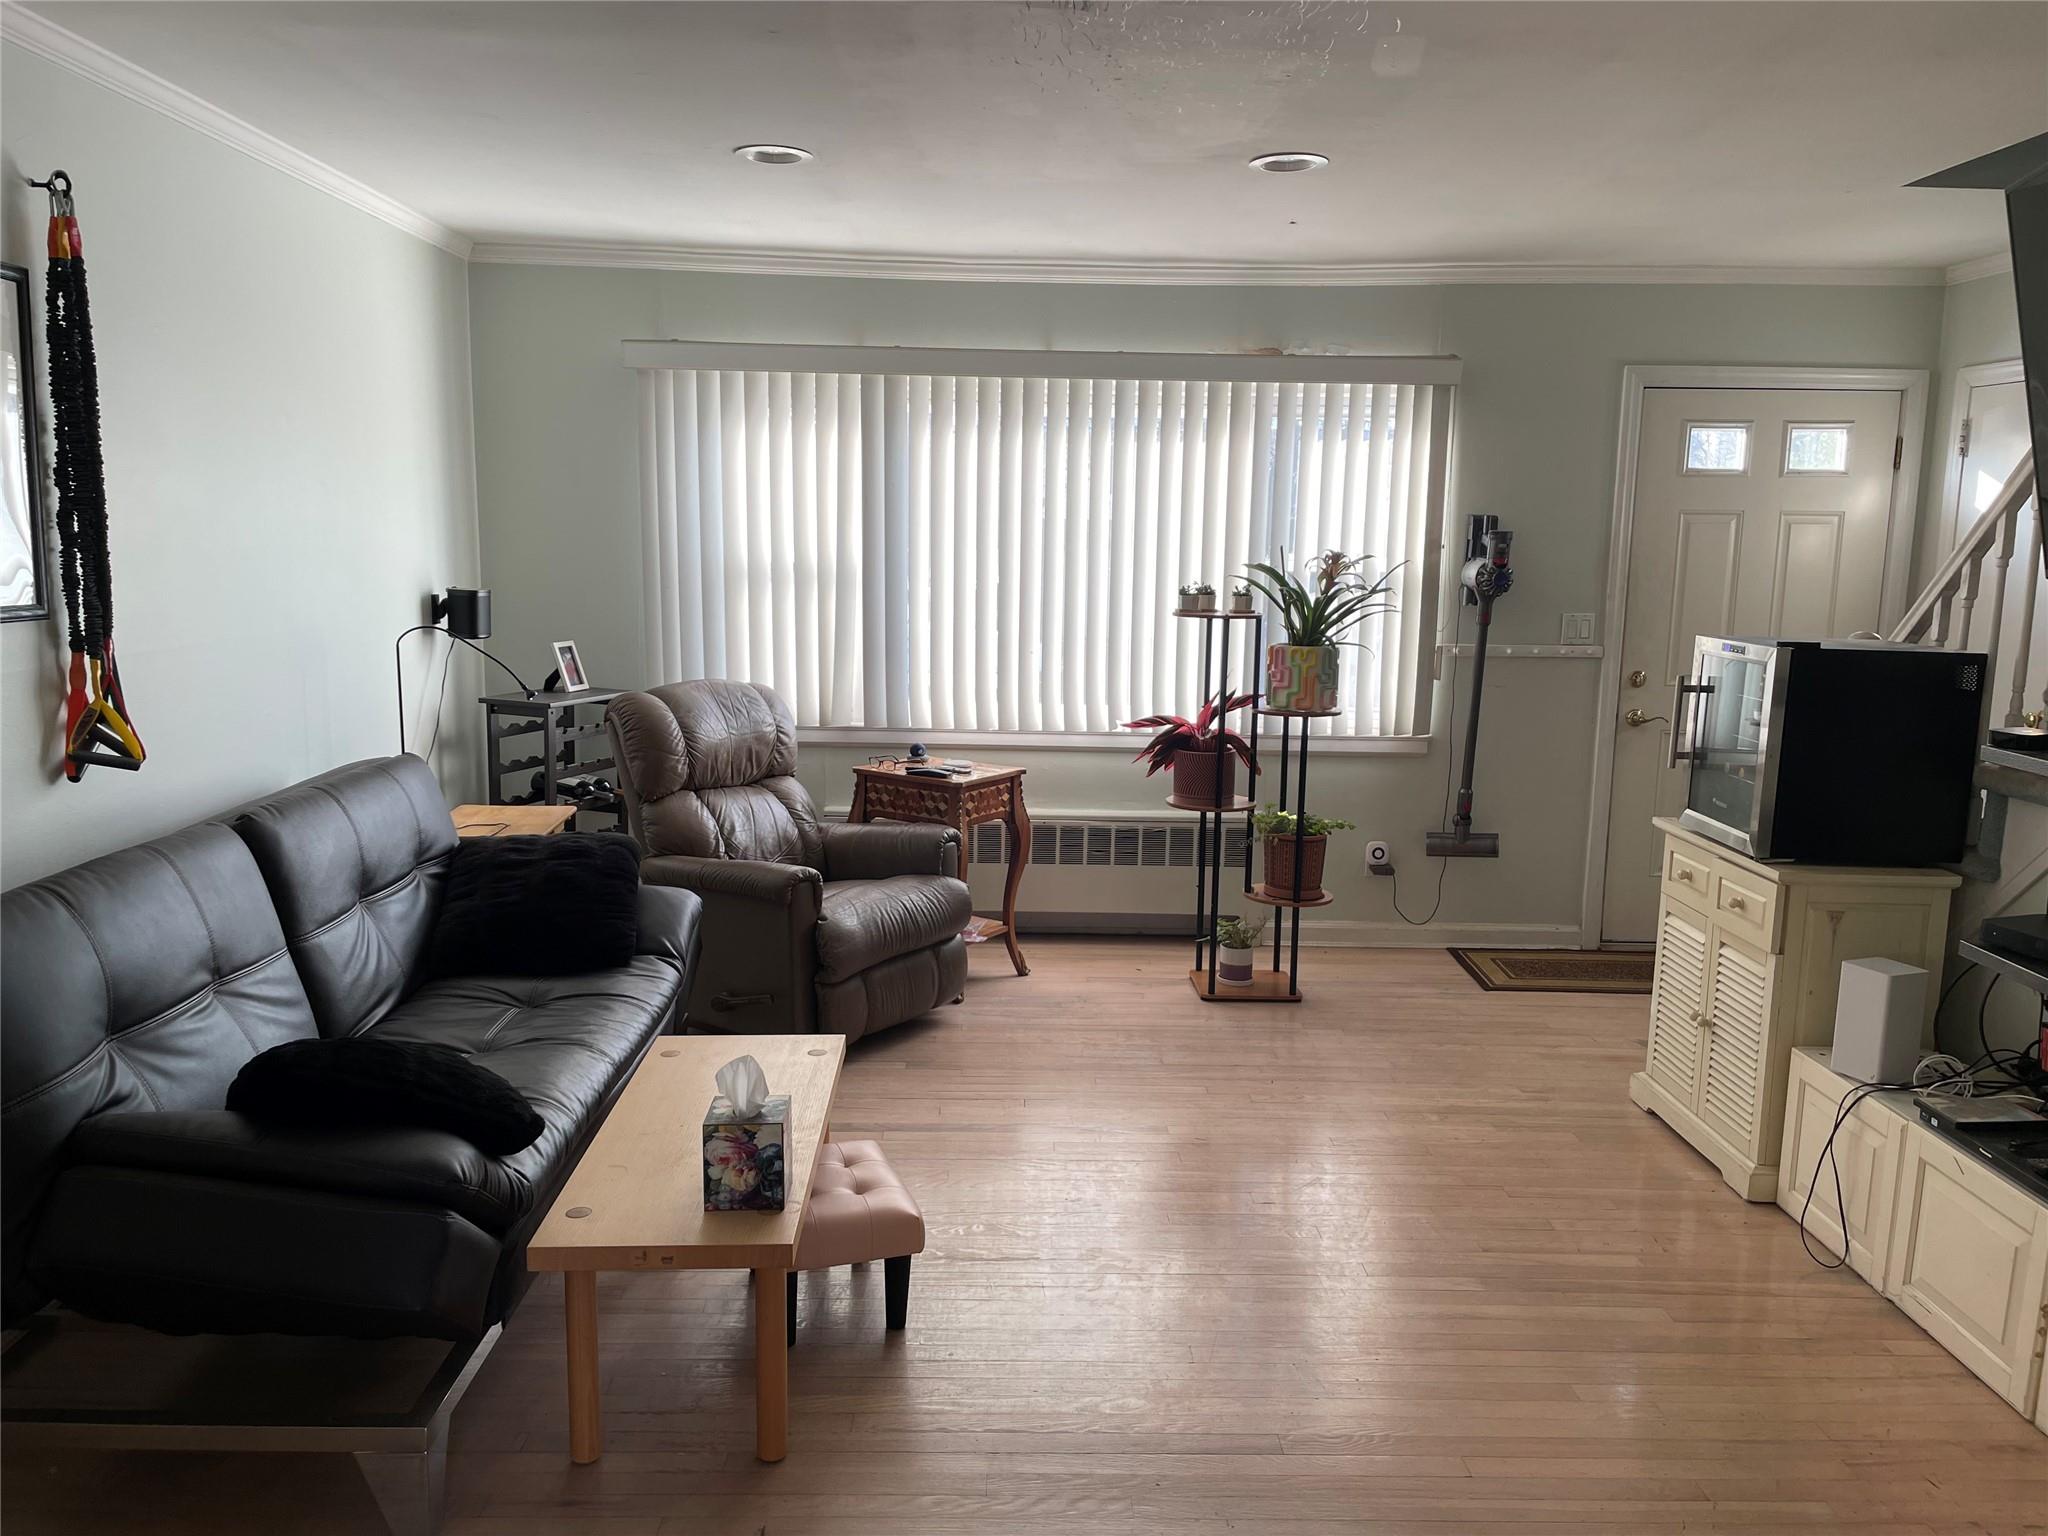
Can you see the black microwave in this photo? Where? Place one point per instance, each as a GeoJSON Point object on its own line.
{"type": "Point", "coordinates": [1830, 751]}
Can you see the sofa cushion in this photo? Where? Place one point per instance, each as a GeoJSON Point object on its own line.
{"type": "Point", "coordinates": [138, 981]}
{"type": "Point", "coordinates": [354, 860]}
{"type": "Point", "coordinates": [565, 1042]}
{"type": "Point", "coordinates": [372, 1081]}
{"type": "Point", "coordinates": [864, 922]}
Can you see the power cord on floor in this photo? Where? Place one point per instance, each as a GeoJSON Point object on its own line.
{"type": "Point", "coordinates": [1443, 820]}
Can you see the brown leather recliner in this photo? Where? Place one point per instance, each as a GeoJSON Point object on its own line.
{"type": "Point", "coordinates": [808, 926]}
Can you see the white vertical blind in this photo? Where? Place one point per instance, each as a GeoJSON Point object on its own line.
{"type": "Point", "coordinates": [934, 552]}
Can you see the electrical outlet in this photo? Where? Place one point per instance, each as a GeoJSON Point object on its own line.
{"type": "Point", "coordinates": [1576, 629]}
{"type": "Point", "coordinates": [1379, 858]}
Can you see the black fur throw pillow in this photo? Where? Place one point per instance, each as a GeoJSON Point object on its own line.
{"type": "Point", "coordinates": [539, 906]}
{"type": "Point", "coordinates": [385, 1082]}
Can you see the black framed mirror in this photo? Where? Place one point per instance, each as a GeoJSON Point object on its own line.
{"type": "Point", "coordinates": [24, 582]}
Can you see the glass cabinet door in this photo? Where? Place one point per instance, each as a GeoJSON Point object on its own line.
{"type": "Point", "coordinates": [1729, 738]}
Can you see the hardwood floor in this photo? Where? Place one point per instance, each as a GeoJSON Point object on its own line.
{"type": "Point", "coordinates": [1403, 1259]}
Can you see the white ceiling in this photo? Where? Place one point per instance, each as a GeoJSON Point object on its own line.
{"type": "Point", "coordinates": [1099, 132]}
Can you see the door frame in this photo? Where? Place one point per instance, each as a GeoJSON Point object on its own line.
{"type": "Point", "coordinates": [1636, 378]}
{"type": "Point", "coordinates": [1977, 376]}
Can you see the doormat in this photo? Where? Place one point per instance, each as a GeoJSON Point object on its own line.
{"type": "Point", "coordinates": [1558, 970]}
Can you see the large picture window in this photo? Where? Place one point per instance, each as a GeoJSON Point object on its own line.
{"type": "Point", "coordinates": [998, 549]}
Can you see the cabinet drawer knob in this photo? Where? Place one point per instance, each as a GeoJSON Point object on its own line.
{"type": "Point", "coordinates": [1737, 904]}
{"type": "Point", "coordinates": [1685, 875]}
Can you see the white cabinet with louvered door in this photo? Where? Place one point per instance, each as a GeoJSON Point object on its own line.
{"type": "Point", "coordinates": [1749, 959]}
{"type": "Point", "coordinates": [1738, 1011]}
{"type": "Point", "coordinates": [1678, 1002]}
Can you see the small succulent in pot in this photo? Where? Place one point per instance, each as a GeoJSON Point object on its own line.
{"type": "Point", "coordinates": [1240, 598]}
{"type": "Point", "coordinates": [1203, 753]}
{"type": "Point", "coordinates": [1198, 596]}
{"type": "Point", "coordinates": [1235, 940]}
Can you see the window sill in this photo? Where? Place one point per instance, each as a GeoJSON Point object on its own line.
{"type": "Point", "coordinates": [864, 738]}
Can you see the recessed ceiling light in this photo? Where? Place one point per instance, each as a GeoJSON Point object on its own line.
{"type": "Point", "coordinates": [1289, 160]}
{"type": "Point", "coordinates": [772, 154]}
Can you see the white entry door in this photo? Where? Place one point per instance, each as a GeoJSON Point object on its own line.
{"type": "Point", "coordinates": [1757, 512]}
{"type": "Point", "coordinates": [1991, 434]}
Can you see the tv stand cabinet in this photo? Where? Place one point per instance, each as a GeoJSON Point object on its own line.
{"type": "Point", "coordinates": [1749, 957]}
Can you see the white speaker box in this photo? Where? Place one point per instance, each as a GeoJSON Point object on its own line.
{"type": "Point", "coordinates": [1877, 1020]}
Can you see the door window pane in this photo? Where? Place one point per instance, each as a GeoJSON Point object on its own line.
{"type": "Point", "coordinates": [1817, 448]}
{"type": "Point", "coordinates": [1716, 447]}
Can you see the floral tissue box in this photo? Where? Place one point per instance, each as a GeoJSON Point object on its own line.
{"type": "Point", "coordinates": [743, 1163]}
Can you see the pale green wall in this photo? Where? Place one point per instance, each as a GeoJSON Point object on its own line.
{"type": "Point", "coordinates": [284, 386]}
{"type": "Point", "coordinates": [558, 488]}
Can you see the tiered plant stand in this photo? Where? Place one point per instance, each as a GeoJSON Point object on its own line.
{"type": "Point", "coordinates": [1218, 626]}
{"type": "Point", "coordinates": [1294, 901]}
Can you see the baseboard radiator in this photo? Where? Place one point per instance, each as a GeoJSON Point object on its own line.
{"type": "Point", "coordinates": [1102, 873]}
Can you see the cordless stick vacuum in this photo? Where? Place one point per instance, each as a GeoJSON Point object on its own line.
{"type": "Point", "coordinates": [1486, 577]}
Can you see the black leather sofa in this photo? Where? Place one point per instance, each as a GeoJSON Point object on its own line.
{"type": "Point", "coordinates": [132, 989]}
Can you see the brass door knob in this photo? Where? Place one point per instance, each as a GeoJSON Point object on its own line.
{"type": "Point", "coordinates": [1637, 678]}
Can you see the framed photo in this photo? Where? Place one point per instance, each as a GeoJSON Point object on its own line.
{"type": "Point", "coordinates": [570, 665]}
{"type": "Point", "coordinates": [23, 586]}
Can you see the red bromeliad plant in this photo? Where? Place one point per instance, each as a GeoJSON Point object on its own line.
{"type": "Point", "coordinates": [1177, 733]}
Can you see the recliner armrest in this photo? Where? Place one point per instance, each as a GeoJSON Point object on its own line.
{"type": "Point", "coordinates": [876, 850]}
{"type": "Point", "coordinates": [780, 885]}
{"type": "Point", "coordinates": [389, 1162]}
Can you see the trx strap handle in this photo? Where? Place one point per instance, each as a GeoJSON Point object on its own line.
{"type": "Point", "coordinates": [97, 729]}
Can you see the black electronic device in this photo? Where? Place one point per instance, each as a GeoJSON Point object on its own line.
{"type": "Point", "coordinates": [2010, 1134]}
{"type": "Point", "coordinates": [1830, 751]}
{"type": "Point", "coordinates": [2023, 933]}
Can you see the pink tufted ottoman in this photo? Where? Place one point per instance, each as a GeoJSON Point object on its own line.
{"type": "Point", "coordinates": [859, 1211]}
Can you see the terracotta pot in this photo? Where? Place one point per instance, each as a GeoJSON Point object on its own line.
{"type": "Point", "coordinates": [1280, 864]}
{"type": "Point", "coordinates": [1233, 966]}
{"type": "Point", "coordinates": [1204, 777]}
{"type": "Point", "coordinates": [1301, 677]}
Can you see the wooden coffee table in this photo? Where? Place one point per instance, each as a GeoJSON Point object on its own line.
{"type": "Point", "coordinates": [636, 1201]}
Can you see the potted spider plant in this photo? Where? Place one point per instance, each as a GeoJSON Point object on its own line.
{"type": "Point", "coordinates": [1317, 610]}
{"type": "Point", "coordinates": [1235, 941]}
{"type": "Point", "coordinates": [1203, 753]}
{"type": "Point", "coordinates": [1288, 839]}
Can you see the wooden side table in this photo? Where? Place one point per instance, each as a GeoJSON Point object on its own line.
{"type": "Point", "coordinates": [884, 792]}
{"type": "Point", "coordinates": [512, 820]}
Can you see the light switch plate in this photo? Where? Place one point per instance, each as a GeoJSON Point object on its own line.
{"type": "Point", "coordinates": [1576, 629]}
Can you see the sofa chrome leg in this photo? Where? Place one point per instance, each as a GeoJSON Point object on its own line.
{"type": "Point", "coordinates": [896, 1291]}
{"type": "Point", "coordinates": [792, 1308]}
{"type": "Point", "coordinates": [410, 1487]}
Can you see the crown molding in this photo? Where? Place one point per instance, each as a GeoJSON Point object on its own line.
{"type": "Point", "coordinates": [679, 258]}
{"type": "Point", "coordinates": [1978, 266]}
{"type": "Point", "coordinates": [37, 34]}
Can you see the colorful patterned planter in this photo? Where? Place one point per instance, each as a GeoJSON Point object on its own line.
{"type": "Point", "coordinates": [1301, 677]}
